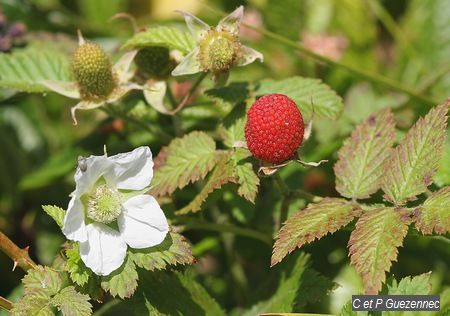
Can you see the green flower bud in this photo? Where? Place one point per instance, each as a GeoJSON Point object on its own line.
{"type": "Point", "coordinates": [104, 204]}
{"type": "Point", "coordinates": [92, 69]}
{"type": "Point", "coordinates": [218, 51]}
{"type": "Point", "coordinates": [154, 61]}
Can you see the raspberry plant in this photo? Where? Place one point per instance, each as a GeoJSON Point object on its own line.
{"type": "Point", "coordinates": [258, 165]}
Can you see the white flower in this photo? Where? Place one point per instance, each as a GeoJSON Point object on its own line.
{"type": "Point", "coordinates": [109, 211]}
{"type": "Point", "coordinates": [122, 85]}
{"type": "Point", "coordinates": [218, 48]}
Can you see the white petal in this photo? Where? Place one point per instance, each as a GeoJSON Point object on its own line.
{"type": "Point", "coordinates": [68, 89]}
{"type": "Point", "coordinates": [154, 95]}
{"type": "Point", "coordinates": [142, 222]}
{"type": "Point", "coordinates": [74, 227]}
{"type": "Point", "coordinates": [104, 251]}
{"type": "Point", "coordinates": [189, 65]}
{"type": "Point", "coordinates": [93, 168]}
{"type": "Point", "coordinates": [232, 22]}
{"type": "Point", "coordinates": [248, 55]}
{"type": "Point", "coordinates": [132, 170]}
{"type": "Point", "coordinates": [196, 26]}
{"type": "Point", "coordinates": [122, 66]}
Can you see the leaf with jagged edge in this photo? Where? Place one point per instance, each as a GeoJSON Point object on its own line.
{"type": "Point", "coordinates": [42, 279]}
{"type": "Point", "coordinates": [35, 303]}
{"type": "Point", "coordinates": [314, 288]}
{"type": "Point", "coordinates": [285, 296]}
{"type": "Point", "coordinates": [25, 69]}
{"type": "Point", "coordinates": [434, 214]}
{"type": "Point", "coordinates": [232, 128]}
{"type": "Point", "coordinates": [246, 176]}
{"type": "Point", "coordinates": [222, 173]}
{"type": "Point", "coordinates": [163, 36]}
{"type": "Point", "coordinates": [416, 285]}
{"type": "Point", "coordinates": [442, 176]}
{"type": "Point", "coordinates": [123, 281]}
{"type": "Point", "coordinates": [314, 222]}
{"type": "Point", "coordinates": [188, 159]}
{"type": "Point", "coordinates": [70, 302]}
{"type": "Point", "coordinates": [174, 250]}
{"type": "Point", "coordinates": [78, 272]}
{"type": "Point", "coordinates": [347, 310]}
{"type": "Point", "coordinates": [412, 164]}
{"type": "Point", "coordinates": [373, 244]}
{"type": "Point", "coordinates": [359, 169]}
{"type": "Point", "coordinates": [232, 94]}
{"type": "Point", "coordinates": [312, 96]}
{"type": "Point", "coordinates": [56, 213]}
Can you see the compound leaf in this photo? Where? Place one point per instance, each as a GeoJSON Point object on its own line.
{"type": "Point", "coordinates": [434, 214]}
{"type": "Point", "coordinates": [246, 176]}
{"type": "Point", "coordinates": [374, 242]}
{"type": "Point", "coordinates": [411, 165]}
{"type": "Point", "coordinates": [359, 169]}
{"type": "Point", "coordinates": [25, 69]}
{"type": "Point", "coordinates": [172, 251]}
{"type": "Point", "coordinates": [70, 302]}
{"type": "Point", "coordinates": [187, 160]}
{"type": "Point", "coordinates": [164, 36]}
{"type": "Point", "coordinates": [78, 272]}
{"type": "Point", "coordinates": [314, 222]}
{"type": "Point", "coordinates": [122, 282]}
{"type": "Point", "coordinates": [311, 95]}
{"type": "Point", "coordinates": [417, 285]}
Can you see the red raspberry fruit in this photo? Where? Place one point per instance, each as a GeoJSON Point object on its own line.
{"type": "Point", "coordinates": [274, 129]}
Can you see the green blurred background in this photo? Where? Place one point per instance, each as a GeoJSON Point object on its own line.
{"type": "Point", "coordinates": [407, 41]}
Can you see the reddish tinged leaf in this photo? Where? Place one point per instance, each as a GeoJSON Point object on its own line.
{"type": "Point", "coordinates": [187, 159]}
{"type": "Point", "coordinates": [314, 222]}
{"type": "Point", "coordinates": [434, 214]}
{"type": "Point", "coordinates": [359, 169]}
{"type": "Point", "coordinates": [411, 165]}
{"type": "Point", "coordinates": [374, 242]}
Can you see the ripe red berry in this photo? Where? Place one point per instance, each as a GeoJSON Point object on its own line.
{"type": "Point", "coordinates": [274, 129]}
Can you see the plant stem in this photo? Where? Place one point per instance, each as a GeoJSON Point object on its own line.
{"type": "Point", "coordinates": [373, 77]}
{"type": "Point", "coordinates": [5, 304]}
{"type": "Point", "coordinates": [227, 228]}
{"type": "Point", "coordinates": [20, 256]}
{"type": "Point", "coordinates": [184, 101]}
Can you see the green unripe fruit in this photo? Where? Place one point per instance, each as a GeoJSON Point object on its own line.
{"type": "Point", "coordinates": [92, 69]}
{"type": "Point", "coordinates": [154, 61]}
{"type": "Point", "coordinates": [218, 51]}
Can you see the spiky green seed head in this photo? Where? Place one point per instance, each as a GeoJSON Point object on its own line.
{"type": "Point", "coordinates": [218, 51]}
{"type": "Point", "coordinates": [92, 69]}
{"type": "Point", "coordinates": [154, 61]}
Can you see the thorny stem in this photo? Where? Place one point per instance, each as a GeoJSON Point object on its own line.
{"type": "Point", "coordinates": [5, 304]}
{"type": "Point", "coordinates": [373, 77]}
{"type": "Point", "coordinates": [20, 256]}
{"type": "Point", "coordinates": [227, 228]}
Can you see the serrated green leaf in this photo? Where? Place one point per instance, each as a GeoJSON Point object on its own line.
{"type": "Point", "coordinates": [24, 69]}
{"type": "Point", "coordinates": [188, 159]}
{"type": "Point", "coordinates": [232, 129]}
{"type": "Point", "coordinates": [231, 95]}
{"type": "Point", "coordinates": [347, 310]}
{"type": "Point", "coordinates": [359, 169]}
{"type": "Point", "coordinates": [314, 222]}
{"type": "Point", "coordinates": [35, 303]}
{"type": "Point", "coordinates": [434, 214]}
{"type": "Point", "coordinates": [70, 302]}
{"type": "Point", "coordinates": [311, 95]}
{"type": "Point", "coordinates": [165, 36]}
{"type": "Point", "coordinates": [42, 279]}
{"type": "Point", "coordinates": [285, 296]}
{"type": "Point", "coordinates": [122, 282]}
{"type": "Point", "coordinates": [374, 242]}
{"type": "Point", "coordinates": [246, 177]}
{"type": "Point", "coordinates": [411, 165]}
{"type": "Point", "coordinates": [172, 251]}
{"type": "Point", "coordinates": [314, 288]}
{"type": "Point", "coordinates": [418, 285]}
{"type": "Point", "coordinates": [78, 272]}
{"type": "Point", "coordinates": [222, 173]}
{"type": "Point", "coordinates": [56, 213]}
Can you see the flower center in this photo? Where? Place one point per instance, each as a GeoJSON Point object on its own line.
{"type": "Point", "coordinates": [104, 204]}
{"type": "Point", "coordinates": [218, 51]}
